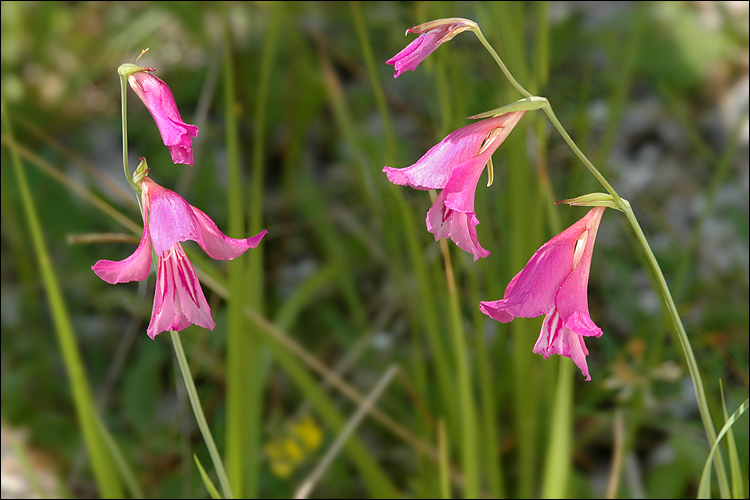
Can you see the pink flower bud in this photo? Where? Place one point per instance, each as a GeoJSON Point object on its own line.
{"type": "Point", "coordinates": [431, 35]}
{"type": "Point", "coordinates": [176, 134]}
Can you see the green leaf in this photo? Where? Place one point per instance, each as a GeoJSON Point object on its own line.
{"type": "Point", "coordinates": [704, 487]}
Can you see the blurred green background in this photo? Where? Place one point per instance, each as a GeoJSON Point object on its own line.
{"type": "Point", "coordinates": [656, 95]}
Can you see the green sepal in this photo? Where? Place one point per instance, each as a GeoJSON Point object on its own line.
{"type": "Point", "coordinates": [596, 200]}
{"type": "Point", "coordinates": [128, 69]}
{"type": "Point", "coordinates": [140, 172]}
{"type": "Point", "coordinates": [526, 104]}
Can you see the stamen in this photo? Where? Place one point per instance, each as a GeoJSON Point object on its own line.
{"type": "Point", "coordinates": [489, 140]}
{"type": "Point", "coordinates": [580, 246]}
{"type": "Point", "coordinates": [490, 173]}
{"type": "Point", "coordinates": [141, 55]}
{"type": "Point", "coordinates": [446, 213]}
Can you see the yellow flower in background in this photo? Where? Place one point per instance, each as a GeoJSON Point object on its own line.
{"type": "Point", "coordinates": [289, 450]}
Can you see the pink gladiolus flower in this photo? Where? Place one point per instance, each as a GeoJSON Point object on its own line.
{"type": "Point", "coordinates": [432, 35]}
{"type": "Point", "coordinates": [176, 134]}
{"type": "Point", "coordinates": [554, 283]}
{"type": "Point", "coordinates": [455, 165]}
{"type": "Point", "coordinates": [167, 221]}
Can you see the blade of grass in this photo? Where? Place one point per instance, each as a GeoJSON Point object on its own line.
{"type": "Point", "coordinates": [738, 486]}
{"type": "Point", "coordinates": [257, 361]}
{"type": "Point", "coordinates": [617, 453]}
{"type": "Point", "coordinates": [210, 487]}
{"type": "Point", "coordinates": [126, 472]}
{"type": "Point", "coordinates": [555, 479]}
{"type": "Point", "coordinates": [704, 486]}
{"type": "Point", "coordinates": [445, 489]}
{"type": "Point", "coordinates": [239, 345]}
{"type": "Point", "coordinates": [105, 471]}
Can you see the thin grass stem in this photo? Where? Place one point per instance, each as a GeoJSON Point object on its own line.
{"type": "Point", "coordinates": [239, 345]}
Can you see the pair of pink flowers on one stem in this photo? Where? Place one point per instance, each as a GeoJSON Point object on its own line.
{"type": "Point", "coordinates": [555, 280]}
{"type": "Point", "coordinates": [168, 220]}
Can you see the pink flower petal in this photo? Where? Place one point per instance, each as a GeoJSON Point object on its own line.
{"type": "Point", "coordinates": [217, 245]}
{"type": "Point", "coordinates": [434, 169]}
{"type": "Point", "coordinates": [171, 218]}
{"type": "Point", "coordinates": [572, 297]}
{"type": "Point", "coordinates": [534, 288]}
{"type": "Point", "coordinates": [414, 53]}
{"type": "Point", "coordinates": [158, 98]}
{"type": "Point", "coordinates": [555, 338]}
{"type": "Point", "coordinates": [460, 190]}
{"type": "Point", "coordinates": [540, 284]}
{"type": "Point", "coordinates": [179, 299]}
{"type": "Point", "coordinates": [458, 226]}
{"type": "Point", "coordinates": [134, 268]}
{"type": "Point", "coordinates": [554, 282]}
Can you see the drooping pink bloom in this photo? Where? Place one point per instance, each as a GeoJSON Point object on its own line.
{"type": "Point", "coordinates": [455, 165]}
{"type": "Point", "coordinates": [169, 220]}
{"type": "Point", "coordinates": [177, 135]}
{"type": "Point", "coordinates": [554, 283]}
{"type": "Point", "coordinates": [432, 35]}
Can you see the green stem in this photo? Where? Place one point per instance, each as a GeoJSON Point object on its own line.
{"type": "Point", "coordinates": [547, 108]}
{"type": "Point", "coordinates": [500, 63]}
{"type": "Point", "coordinates": [686, 348]}
{"type": "Point", "coordinates": [199, 416]}
{"type": "Point", "coordinates": [124, 109]}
